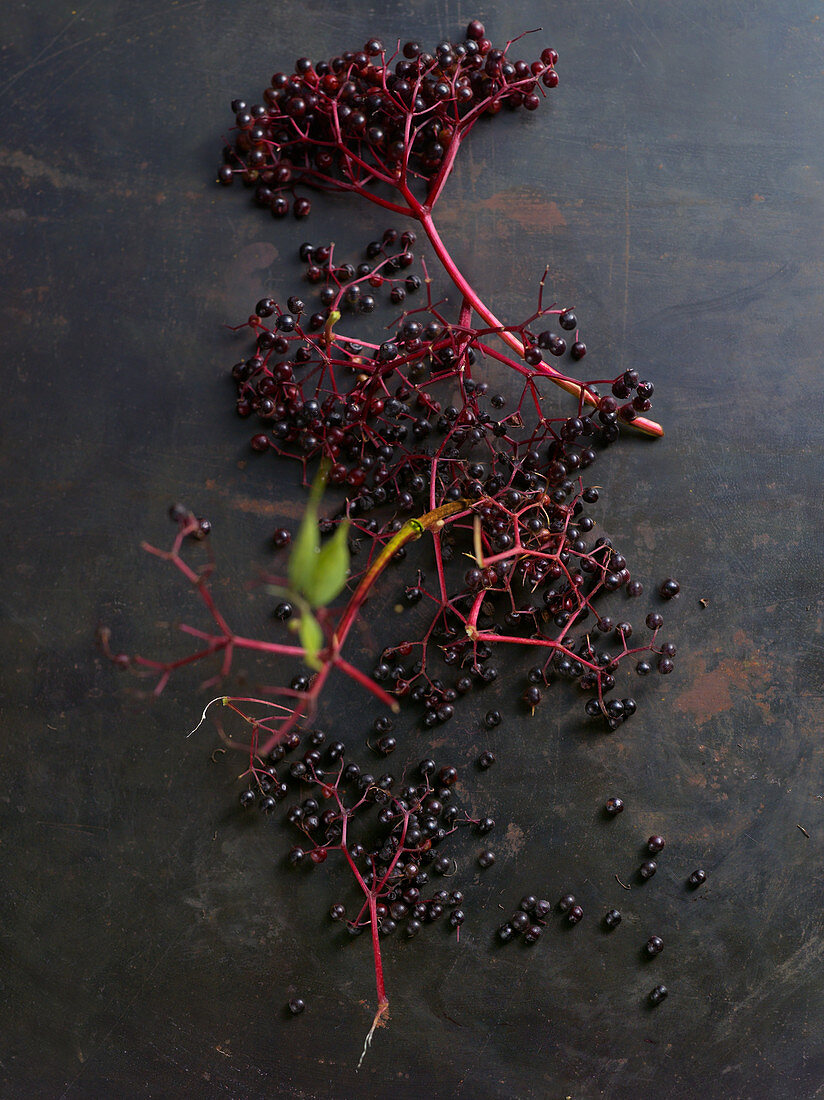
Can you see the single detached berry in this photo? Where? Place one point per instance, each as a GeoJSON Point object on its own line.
{"type": "Point", "coordinates": [566, 902]}
{"type": "Point", "coordinates": [647, 869]}
{"type": "Point", "coordinates": [669, 588]}
{"type": "Point", "coordinates": [612, 919]}
{"type": "Point", "coordinates": [614, 806]}
{"type": "Point", "coordinates": [486, 859]}
{"type": "Point", "coordinates": [297, 1005]}
{"type": "Point", "coordinates": [657, 994]}
{"type": "Point", "coordinates": [654, 946]}
{"type": "Point", "coordinates": [655, 844]}
{"type": "Point", "coordinates": [519, 921]}
{"type": "Point", "coordinates": [697, 878]}
{"type": "Point", "coordinates": [486, 760]}
{"type": "Point", "coordinates": [575, 914]}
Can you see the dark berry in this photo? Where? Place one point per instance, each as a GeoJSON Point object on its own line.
{"type": "Point", "coordinates": [612, 919]}
{"type": "Point", "coordinates": [697, 878]}
{"type": "Point", "coordinates": [654, 946]}
{"type": "Point", "coordinates": [669, 588]}
{"type": "Point", "coordinates": [657, 995]}
{"type": "Point", "coordinates": [486, 859]}
{"type": "Point", "coordinates": [532, 696]}
{"type": "Point", "coordinates": [486, 760]}
{"type": "Point", "coordinates": [614, 806]}
{"type": "Point", "coordinates": [448, 775]}
{"type": "Point", "coordinates": [296, 1006]}
{"type": "Point", "coordinates": [566, 903]}
{"type": "Point", "coordinates": [575, 914]}
{"type": "Point", "coordinates": [519, 921]}
{"type": "Point", "coordinates": [648, 869]}
{"type": "Point", "coordinates": [655, 844]}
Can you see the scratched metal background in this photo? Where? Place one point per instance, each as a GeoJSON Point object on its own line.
{"type": "Point", "coordinates": [150, 937]}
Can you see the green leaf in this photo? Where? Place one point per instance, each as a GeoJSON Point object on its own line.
{"type": "Point", "coordinates": [311, 638]}
{"type": "Point", "coordinates": [303, 559]}
{"type": "Point", "coordinates": [331, 568]}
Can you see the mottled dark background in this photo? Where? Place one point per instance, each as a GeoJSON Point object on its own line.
{"type": "Point", "coordinates": [150, 937]}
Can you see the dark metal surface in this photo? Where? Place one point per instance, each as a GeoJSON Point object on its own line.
{"type": "Point", "coordinates": [150, 938]}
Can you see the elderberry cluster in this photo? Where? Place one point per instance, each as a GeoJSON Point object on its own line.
{"type": "Point", "coordinates": [364, 117]}
{"type": "Point", "coordinates": [392, 842]}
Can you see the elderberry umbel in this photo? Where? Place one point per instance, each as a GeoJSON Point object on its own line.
{"type": "Point", "coordinates": [391, 836]}
{"type": "Point", "coordinates": [369, 116]}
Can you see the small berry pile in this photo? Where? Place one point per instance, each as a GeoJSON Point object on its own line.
{"type": "Point", "coordinates": [529, 921]}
